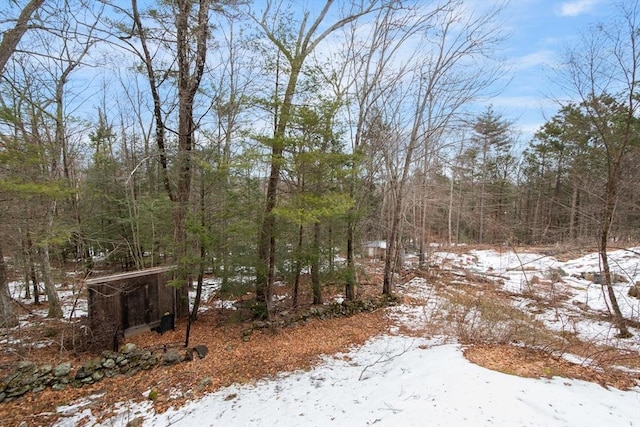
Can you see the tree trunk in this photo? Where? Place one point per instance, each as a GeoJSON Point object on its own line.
{"type": "Point", "coordinates": [203, 253]}
{"type": "Point", "coordinates": [350, 286]}
{"type": "Point", "coordinates": [32, 269]}
{"type": "Point", "coordinates": [157, 102]}
{"type": "Point", "coordinates": [55, 309]}
{"type": "Point", "coordinates": [188, 84]}
{"type": "Point", "coordinates": [604, 238]}
{"type": "Point", "coordinates": [11, 38]}
{"type": "Point", "coordinates": [298, 267]}
{"type": "Point", "coordinates": [196, 301]}
{"type": "Point", "coordinates": [267, 241]}
{"type": "Point", "coordinates": [304, 45]}
{"type": "Point", "coordinates": [574, 218]}
{"type": "Point", "coordinates": [315, 265]}
{"type": "Point", "coordinates": [7, 316]}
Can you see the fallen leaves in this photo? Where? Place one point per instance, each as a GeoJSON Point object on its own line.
{"type": "Point", "coordinates": [534, 363]}
{"type": "Point", "coordinates": [229, 360]}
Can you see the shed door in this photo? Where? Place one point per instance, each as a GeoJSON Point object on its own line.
{"type": "Point", "coordinates": [135, 303]}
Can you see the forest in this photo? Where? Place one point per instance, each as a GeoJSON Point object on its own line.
{"type": "Point", "coordinates": [259, 142]}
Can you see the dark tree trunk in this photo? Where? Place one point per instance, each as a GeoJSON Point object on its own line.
{"type": "Point", "coordinates": [315, 265]}
{"type": "Point", "coordinates": [350, 286]}
{"type": "Point", "coordinates": [7, 315]}
{"type": "Point", "coordinates": [298, 264]}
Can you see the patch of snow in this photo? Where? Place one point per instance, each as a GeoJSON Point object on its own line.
{"type": "Point", "coordinates": [392, 381]}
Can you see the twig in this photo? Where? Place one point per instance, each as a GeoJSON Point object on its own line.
{"type": "Point", "coordinates": [524, 273]}
{"type": "Point", "coordinates": [382, 359]}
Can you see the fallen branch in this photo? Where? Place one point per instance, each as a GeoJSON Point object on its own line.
{"type": "Point", "coordinates": [382, 359]}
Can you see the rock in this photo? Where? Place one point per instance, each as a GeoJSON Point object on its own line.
{"type": "Point", "coordinates": [28, 379]}
{"type": "Point", "coordinates": [618, 278]}
{"type": "Point", "coordinates": [58, 387]}
{"type": "Point", "coordinates": [38, 388]}
{"type": "Point", "coordinates": [93, 364]}
{"type": "Point", "coordinates": [45, 369]}
{"type": "Point", "coordinates": [136, 422]}
{"type": "Point", "coordinates": [62, 369]}
{"type": "Point", "coordinates": [171, 357]}
{"type": "Point", "coordinates": [82, 373]}
{"type": "Point", "coordinates": [18, 391]}
{"type": "Point", "coordinates": [109, 363]}
{"type": "Point", "coordinates": [128, 348]}
{"type": "Point", "coordinates": [634, 291]}
{"type": "Point", "coordinates": [26, 366]}
{"type": "Point", "coordinates": [202, 350]}
{"type": "Point", "coordinates": [206, 381]}
{"type": "Point", "coordinates": [11, 380]}
{"type": "Point", "coordinates": [108, 354]}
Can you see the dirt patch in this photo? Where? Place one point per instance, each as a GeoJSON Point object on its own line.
{"type": "Point", "coordinates": [533, 363]}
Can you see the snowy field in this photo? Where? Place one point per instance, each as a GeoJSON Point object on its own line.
{"type": "Point", "coordinates": [399, 381]}
{"type": "Point", "coordinates": [396, 380]}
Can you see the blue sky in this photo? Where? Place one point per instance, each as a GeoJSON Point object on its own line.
{"type": "Point", "coordinates": [540, 33]}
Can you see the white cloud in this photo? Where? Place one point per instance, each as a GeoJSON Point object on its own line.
{"type": "Point", "coordinates": [577, 7]}
{"type": "Point", "coordinates": [532, 60]}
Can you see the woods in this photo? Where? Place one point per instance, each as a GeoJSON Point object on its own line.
{"type": "Point", "coordinates": [262, 143]}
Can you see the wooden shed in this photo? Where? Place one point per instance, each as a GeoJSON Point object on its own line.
{"type": "Point", "coordinates": [132, 302]}
{"type": "Point", "coordinates": [375, 249]}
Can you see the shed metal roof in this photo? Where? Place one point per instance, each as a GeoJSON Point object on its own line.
{"type": "Point", "coordinates": [129, 275]}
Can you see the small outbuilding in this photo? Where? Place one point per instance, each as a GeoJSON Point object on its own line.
{"type": "Point", "coordinates": [375, 249]}
{"type": "Point", "coordinates": [132, 302]}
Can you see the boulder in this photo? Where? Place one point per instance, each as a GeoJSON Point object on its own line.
{"type": "Point", "coordinates": [62, 369]}
{"type": "Point", "coordinates": [128, 348]}
{"type": "Point", "coordinates": [171, 357]}
{"type": "Point", "coordinates": [202, 350]}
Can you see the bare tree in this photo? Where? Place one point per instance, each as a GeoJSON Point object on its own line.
{"type": "Point", "coordinates": [374, 63]}
{"type": "Point", "coordinates": [438, 86]}
{"type": "Point", "coordinates": [603, 73]}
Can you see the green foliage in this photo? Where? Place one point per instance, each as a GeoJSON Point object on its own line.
{"type": "Point", "coordinates": [309, 208]}
{"type": "Point", "coordinates": [234, 289]}
{"type": "Point", "coordinates": [54, 190]}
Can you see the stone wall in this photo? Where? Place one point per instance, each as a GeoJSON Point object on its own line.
{"type": "Point", "coordinates": [30, 377]}
{"type": "Point", "coordinates": [327, 311]}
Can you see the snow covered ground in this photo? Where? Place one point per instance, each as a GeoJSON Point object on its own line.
{"type": "Point", "coordinates": [395, 380]}
{"type": "Point", "coordinates": [399, 381]}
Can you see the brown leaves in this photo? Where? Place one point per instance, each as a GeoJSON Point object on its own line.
{"type": "Point", "coordinates": [228, 361]}
{"type": "Point", "coordinates": [532, 363]}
